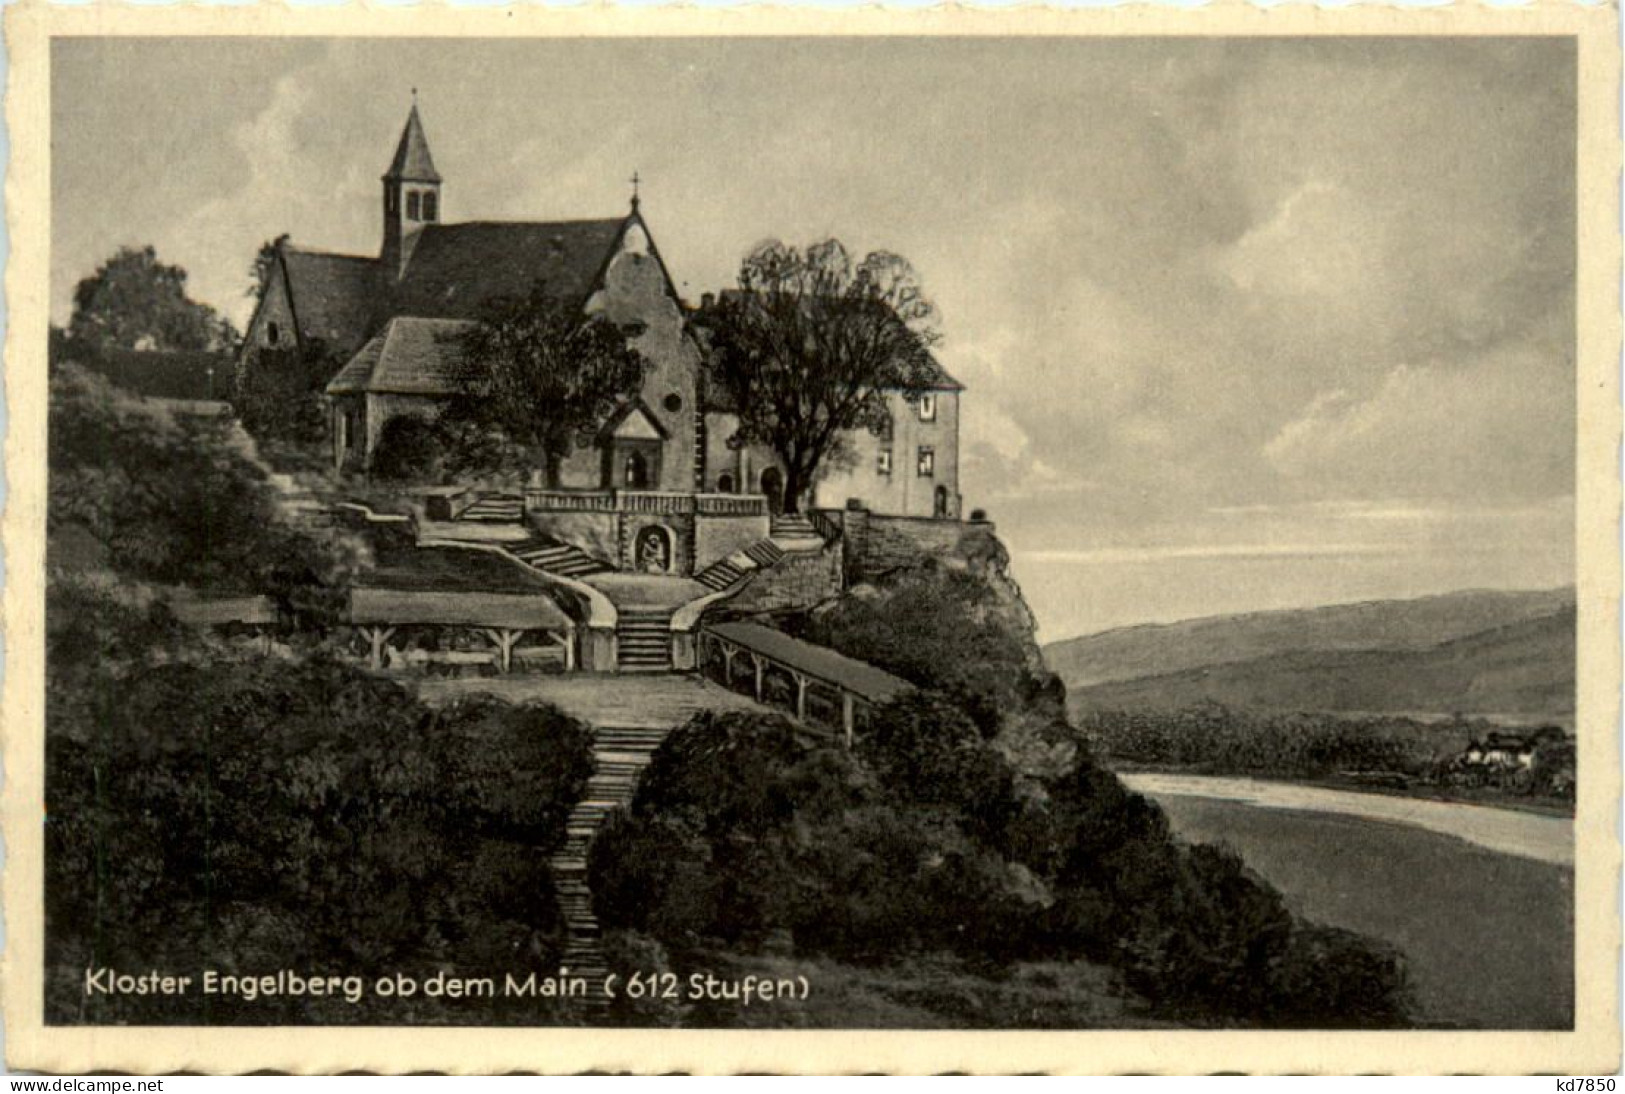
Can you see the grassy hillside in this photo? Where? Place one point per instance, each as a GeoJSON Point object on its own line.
{"type": "Point", "coordinates": [1393, 625]}
{"type": "Point", "coordinates": [1523, 668]}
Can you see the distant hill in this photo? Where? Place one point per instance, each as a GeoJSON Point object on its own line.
{"type": "Point", "coordinates": [1523, 669]}
{"type": "Point", "coordinates": [1459, 651]}
{"type": "Point", "coordinates": [1132, 652]}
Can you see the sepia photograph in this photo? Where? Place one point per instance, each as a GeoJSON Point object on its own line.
{"type": "Point", "coordinates": [815, 532]}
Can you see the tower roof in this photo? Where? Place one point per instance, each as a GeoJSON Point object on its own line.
{"type": "Point", "coordinates": [412, 162]}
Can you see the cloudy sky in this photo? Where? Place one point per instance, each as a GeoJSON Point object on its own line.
{"type": "Point", "coordinates": [1245, 324]}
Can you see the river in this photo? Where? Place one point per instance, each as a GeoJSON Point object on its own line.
{"type": "Point", "coordinates": [1479, 899]}
{"type": "Point", "coordinates": [1511, 832]}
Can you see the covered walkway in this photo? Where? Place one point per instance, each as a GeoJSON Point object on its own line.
{"type": "Point", "coordinates": [814, 682]}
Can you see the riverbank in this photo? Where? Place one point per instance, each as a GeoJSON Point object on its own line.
{"type": "Point", "coordinates": [1488, 936]}
{"type": "Point", "coordinates": [1488, 797]}
{"type": "Point", "coordinates": [1543, 838]}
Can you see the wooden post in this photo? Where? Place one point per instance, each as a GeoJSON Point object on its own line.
{"type": "Point", "coordinates": [801, 696]}
{"type": "Point", "coordinates": [848, 716]}
{"type": "Point", "coordinates": [377, 637]}
{"type": "Point", "coordinates": [505, 639]}
{"type": "Point", "coordinates": [568, 640]}
{"type": "Point", "coordinates": [756, 663]}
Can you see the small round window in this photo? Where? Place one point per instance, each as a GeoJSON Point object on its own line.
{"type": "Point", "coordinates": [674, 403]}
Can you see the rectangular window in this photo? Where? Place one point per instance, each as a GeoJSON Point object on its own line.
{"type": "Point", "coordinates": [412, 205]}
{"type": "Point", "coordinates": [884, 465]}
{"type": "Point", "coordinates": [928, 407]}
{"type": "Point", "coordinates": [430, 207]}
{"type": "Point", "coordinates": [927, 465]}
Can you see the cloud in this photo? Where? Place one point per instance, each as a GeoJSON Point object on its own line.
{"type": "Point", "coordinates": [1501, 428]}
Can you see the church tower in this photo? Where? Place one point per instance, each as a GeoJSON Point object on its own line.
{"type": "Point", "coordinates": [411, 195]}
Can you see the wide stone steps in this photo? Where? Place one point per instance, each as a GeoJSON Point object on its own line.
{"type": "Point", "coordinates": [724, 572]}
{"type": "Point", "coordinates": [620, 755]}
{"type": "Point", "coordinates": [719, 575]}
{"type": "Point", "coordinates": [563, 559]}
{"type": "Point", "coordinates": [791, 526]}
{"type": "Point", "coordinates": [643, 640]}
{"type": "Point", "coordinates": [495, 509]}
{"type": "Point", "coordinates": [764, 553]}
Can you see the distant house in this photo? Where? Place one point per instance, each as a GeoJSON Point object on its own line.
{"type": "Point", "coordinates": [1511, 751]}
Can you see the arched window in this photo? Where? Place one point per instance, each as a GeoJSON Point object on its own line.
{"type": "Point", "coordinates": [431, 207]}
{"type": "Point", "coordinates": [412, 206]}
{"type": "Point", "coordinates": [725, 483]}
{"type": "Point", "coordinates": [273, 333]}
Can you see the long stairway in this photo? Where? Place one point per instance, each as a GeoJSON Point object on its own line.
{"type": "Point", "coordinates": [643, 639]}
{"type": "Point", "coordinates": [724, 572]}
{"type": "Point", "coordinates": [555, 557]}
{"type": "Point", "coordinates": [620, 755]}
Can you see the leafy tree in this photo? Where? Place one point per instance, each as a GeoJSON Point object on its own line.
{"type": "Point", "coordinates": [552, 376]}
{"type": "Point", "coordinates": [278, 392]}
{"type": "Point", "coordinates": [134, 301]}
{"type": "Point", "coordinates": [809, 346]}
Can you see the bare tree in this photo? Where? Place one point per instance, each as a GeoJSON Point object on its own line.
{"type": "Point", "coordinates": [809, 346]}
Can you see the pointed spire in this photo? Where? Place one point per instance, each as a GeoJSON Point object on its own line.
{"type": "Point", "coordinates": [635, 200]}
{"type": "Point", "coordinates": [412, 162]}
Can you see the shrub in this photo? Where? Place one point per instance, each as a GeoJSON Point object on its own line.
{"type": "Point", "coordinates": [945, 629]}
{"type": "Point", "coordinates": [1331, 978]}
{"type": "Point", "coordinates": [261, 815]}
{"type": "Point", "coordinates": [409, 449]}
{"type": "Point", "coordinates": [927, 752]}
{"type": "Point", "coordinates": [173, 499]}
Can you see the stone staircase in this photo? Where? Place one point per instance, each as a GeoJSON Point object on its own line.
{"type": "Point", "coordinates": [792, 526]}
{"type": "Point", "coordinates": [643, 639]}
{"type": "Point", "coordinates": [555, 557]}
{"type": "Point", "coordinates": [620, 755]}
{"type": "Point", "coordinates": [495, 509]}
{"type": "Point", "coordinates": [723, 573]}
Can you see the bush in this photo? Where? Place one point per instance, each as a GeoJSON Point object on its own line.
{"type": "Point", "coordinates": [949, 630]}
{"type": "Point", "coordinates": [1335, 979]}
{"type": "Point", "coordinates": [409, 449]}
{"type": "Point", "coordinates": [261, 815]}
{"type": "Point", "coordinates": [927, 752]}
{"type": "Point", "coordinates": [173, 499]}
{"type": "Point", "coordinates": [278, 394]}
{"type": "Point", "coordinates": [740, 832]}
{"type": "Point", "coordinates": [923, 841]}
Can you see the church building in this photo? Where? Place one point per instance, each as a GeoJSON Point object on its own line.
{"type": "Point", "coordinates": [394, 318]}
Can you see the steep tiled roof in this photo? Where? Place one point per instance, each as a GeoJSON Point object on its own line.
{"type": "Point", "coordinates": [412, 162]}
{"type": "Point", "coordinates": [456, 269]}
{"type": "Point", "coordinates": [410, 356]}
{"type": "Point", "coordinates": [334, 296]}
